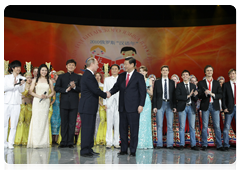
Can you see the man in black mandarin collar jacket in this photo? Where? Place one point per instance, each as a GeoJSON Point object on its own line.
{"type": "Point", "coordinates": [68, 85]}
{"type": "Point", "coordinates": [131, 101]}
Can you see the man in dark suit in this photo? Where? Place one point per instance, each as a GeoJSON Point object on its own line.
{"type": "Point", "coordinates": [132, 87]}
{"type": "Point", "coordinates": [229, 105]}
{"type": "Point", "coordinates": [68, 85]}
{"type": "Point", "coordinates": [88, 106]}
{"type": "Point", "coordinates": [210, 92]}
{"type": "Point", "coordinates": [164, 101]}
{"type": "Point", "coordinates": [186, 95]}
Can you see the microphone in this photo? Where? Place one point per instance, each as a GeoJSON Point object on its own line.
{"type": "Point", "coordinates": [42, 99]}
{"type": "Point", "coordinates": [20, 81]}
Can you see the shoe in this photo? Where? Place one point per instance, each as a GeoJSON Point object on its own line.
{"type": "Point", "coordinates": [204, 148]}
{"type": "Point", "coordinates": [171, 147]}
{"type": "Point", "coordinates": [195, 148]}
{"type": "Point", "coordinates": [226, 148]}
{"type": "Point", "coordinates": [108, 146]}
{"type": "Point", "coordinates": [181, 147]}
{"type": "Point", "coordinates": [221, 149]}
{"type": "Point", "coordinates": [95, 153]}
{"type": "Point", "coordinates": [89, 155]}
{"type": "Point", "coordinates": [159, 147]}
{"type": "Point", "coordinates": [132, 154]}
{"type": "Point", "coordinates": [117, 147]}
{"type": "Point", "coordinates": [10, 146]}
{"type": "Point", "coordinates": [122, 153]}
{"type": "Point", "coordinates": [70, 146]}
{"type": "Point", "coordinates": [62, 146]}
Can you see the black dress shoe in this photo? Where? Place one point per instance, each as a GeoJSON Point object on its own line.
{"type": "Point", "coordinates": [181, 147]}
{"type": "Point", "coordinates": [122, 153]}
{"type": "Point", "coordinates": [221, 149]}
{"type": "Point", "coordinates": [62, 146]}
{"type": "Point", "coordinates": [195, 148]}
{"type": "Point", "coordinates": [226, 148]}
{"type": "Point", "coordinates": [70, 146]}
{"type": "Point", "coordinates": [95, 153]}
{"type": "Point", "coordinates": [132, 154]}
{"type": "Point", "coordinates": [204, 148]}
{"type": "Point", "coordinates": [89, 155]}
{"type": "Point", "coordinates": [171, 147]}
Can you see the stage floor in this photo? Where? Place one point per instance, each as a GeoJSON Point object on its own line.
{"type": "Point", "coordinates": [55, 155]}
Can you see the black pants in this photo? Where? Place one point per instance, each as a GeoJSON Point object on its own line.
{"type": "Point", "coordinates": [131, 119]}
{"type": "Point", "coordinates": [87, 132]}
{"type": "Point", "coordinates": [68, 124]}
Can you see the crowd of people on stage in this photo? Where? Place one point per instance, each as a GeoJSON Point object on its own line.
{"type": "Point", "coordinates": [43, 107]}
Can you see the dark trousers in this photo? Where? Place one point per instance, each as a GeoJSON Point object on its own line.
{"type": "Point", "coordinates": [87, 132]}
{"type": "Point", "coordinates": [131, 119]}
{"type": "Point", "coordinates": [68, 124]}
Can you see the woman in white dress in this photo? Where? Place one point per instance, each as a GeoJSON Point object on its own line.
{"type": "Point", "coordinates": [39, 127]}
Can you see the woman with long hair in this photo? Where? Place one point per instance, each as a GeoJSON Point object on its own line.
{"type": "Point", "coordinates": [39, 126]}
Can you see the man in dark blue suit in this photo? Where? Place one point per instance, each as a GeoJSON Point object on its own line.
{"type": "Point", "coordinates": [132, 87]}
{"type": "Point", "coordinates": [88, 106]}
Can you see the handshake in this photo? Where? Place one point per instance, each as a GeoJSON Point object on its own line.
{"type": "Point", "coordinates": [108, 94]}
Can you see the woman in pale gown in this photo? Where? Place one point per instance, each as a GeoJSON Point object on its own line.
{"type": "Point", "coordinates": [39, 127]}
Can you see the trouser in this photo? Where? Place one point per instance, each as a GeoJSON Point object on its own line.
{"type": "Point", "coordinates": [68, 123]}
{"type": "Point", "coordinates": [112, 122]}
{"type": "Point", "coordinates": [11, 111]}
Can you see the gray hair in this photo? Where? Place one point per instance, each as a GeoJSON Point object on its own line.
{"type": "Point", "coordinates": [89, 61]}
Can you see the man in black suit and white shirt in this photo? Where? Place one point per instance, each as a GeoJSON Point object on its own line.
{"type": "Point", "coordinates": [88, 106]}
{"type": "Point", "coordinates": [186, 95]}
{"type": "Point", "coordinates": [229, 105]}
{"type": "Point", "coordinates": [210, 92]}
{"type": "Point", "coordinates": [68, 85]}
{"type": "Point", "coordinates": [132, 87]}
{"type": "Point", "coordinates": [164, 101]}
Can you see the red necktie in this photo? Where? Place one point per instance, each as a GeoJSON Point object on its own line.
{"type": "Point", "coordinates": [209, 87]}
{"type": "Point", "coordinates": [127, 79]}
{"type": "Point", "coordinates": [235, 93]}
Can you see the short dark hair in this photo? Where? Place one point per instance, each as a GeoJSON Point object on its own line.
{"type": "Point", "coordinates": [131, 60]}
{"type": "Point", "coordinates": [185, 71]}
{"type": "Point", "coordinates": [116, 66]}
{"type": "Point", "coordinates": [15, 63]}
{"type": "Point", "coordinates": [128, 49]}
{"type": "Point", "coordinates": [71, 61]}
{"type": "Point", "coordinates": [207, 66]}
{"type": "Point", "coordinates": [231, 70]}
{"type": "Point", "coordinates": [164, 66]}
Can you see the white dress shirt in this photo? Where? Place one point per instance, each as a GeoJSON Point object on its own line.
{"type": "Point", "coordinates": [211, 89]}
{"type": "Point", "coordinates": [163, 85]}
{"type": "Point", "coordinates": [130, 74]}
{"type": "Point", "coordinates": [232, 85]}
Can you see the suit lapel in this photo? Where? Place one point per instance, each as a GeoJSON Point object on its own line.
{"type": "Point", "coordinates": [205, 84]}
{"type": "Point", "coordinates": [231, 90]}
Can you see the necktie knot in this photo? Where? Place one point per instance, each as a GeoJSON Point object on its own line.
{"type": "Point", "coordinates": [165, 79]}
{"type": "Point", "coordinates": [209, 81]}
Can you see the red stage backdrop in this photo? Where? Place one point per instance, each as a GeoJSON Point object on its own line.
{"type": "Point", "coordinates": [180, 48]}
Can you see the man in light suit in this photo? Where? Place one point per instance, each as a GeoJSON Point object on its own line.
{"type": "Point", "coordinates": [132, 87]}
{"type": "Point", "coordinates": [88, 106]}
{"type": "Point", "coordinates": [111, 106]}
{"type": "Point", "coordinates": [14, 85]}
{"type": "Point", "coordinates": [229, 105]}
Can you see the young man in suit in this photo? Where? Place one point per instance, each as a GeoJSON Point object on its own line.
{"type": "Point", "coordinates": [88, 106]}
{"type": "Point", "coordinates": [111, 106]}
{"type": "Point", "coordinates": [68, 85]}
{"type": "Point", "coordinates": [210, 92]}
{"type": "Point", "coordinates": [132, 87]}
{"type": "Point", "coordinates": [164, 101]}
{"type": "Point", "coordinates": [14, 85]}
{"type": "Point", "coordinates": [186, 96]}
{"type": "Point", "coordinates": [229, 105]}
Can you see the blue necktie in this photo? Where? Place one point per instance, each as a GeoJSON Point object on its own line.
{"type": "Point", "coordinates": [165, 89]}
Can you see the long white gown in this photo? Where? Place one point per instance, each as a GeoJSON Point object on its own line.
{"type": "Point", "coordinates": [39, 128]}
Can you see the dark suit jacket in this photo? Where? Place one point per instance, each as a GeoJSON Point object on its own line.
{"type": "Point", "coordinates": [133, 95]}
{"type": "Point", "coordinates": [181, 96]}
{"type": "Point", "coordinates": [158, 93]}
{"type": "Point", "coordinates": [90, 93]}
{"type": "Point", "coordinates": [228, 98]}
{"type": "Point", "coordinates": [68, 100]}
{"type": "Point", "coordinates": [216, 89]}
